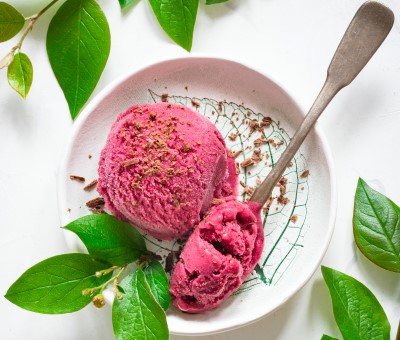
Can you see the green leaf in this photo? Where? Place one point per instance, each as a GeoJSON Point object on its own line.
{"type": "Point", "coordinates": [126, 3]}
{"type": "Point", "coordinates": [138, 315]}
{"type": "Point", "coordinates": [109, 239]}
{"type": "Point", "coordinates": [54, 286]}
{"type": "Point", "coordinates": [212, 2]}
{"type": "Point", "coordinates": [327, 337]}
{"type": "Point", "coordinates": [78, 45]}
{"type": "Point", "coordinates": [357, 311]}
{"type": "Point", "coordinates": [376, 227]}
{"type": "Point", "coordinates": [11, 21]}
{"type": "Point", "coordinates": [177, 18]}
{"type": "Point", "coordinates": [158, 282]}
{"type": "Point", "coordinates": [20, 74]}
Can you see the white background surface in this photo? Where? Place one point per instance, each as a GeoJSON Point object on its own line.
{"type": "Point", "coordinates": [290, 40]}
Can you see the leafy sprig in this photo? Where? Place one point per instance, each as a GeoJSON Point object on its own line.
{"type": "Point", "coordinates": [20, 74]}
{"type": "Point", "coordinates": [183, 16]}
{"type": "Point", "coordinates": [376, 227]}
{"type": "Point", "coordinates": [138, 315]}
{"type": "Point", "coordinates": [67, 283]}
{"type": "Point", "coordinates": [78, 45]}
{"type": "Point", "coordinates": [55, 285]}
{"type": "Point", "coordinates": [20, 70]}
{"type": "Point", "coordinates": [358, 313]}
{"type": "Point", "coordinates": [109, 239]}
{"type": "Point", "coordinates": [11, 21]}
{"type": "Point", "coordinates": [78, 42]}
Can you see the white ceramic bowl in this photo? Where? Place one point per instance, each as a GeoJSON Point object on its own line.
{"type": "Point", "coordinates": [293, 249]}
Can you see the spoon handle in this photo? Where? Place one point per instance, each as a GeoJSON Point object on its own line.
{"type": "Point", "coordinates": [366, 32]}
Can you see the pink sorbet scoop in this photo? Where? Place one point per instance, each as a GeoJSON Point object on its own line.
{"type": "Point", "coordinates": [222, 251]}
{"type": "Point", "coordinates": [161, 167]}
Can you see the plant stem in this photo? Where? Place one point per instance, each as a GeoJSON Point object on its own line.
{"type": "Point", "coordinates": [44, 9]}
{"type": "Point", "coordinates": [32, 19]}
{"type": "Point", "coordinates": [106, 271]}
{"type": "Point", "coordinates": [114, 278]}
{"type": "Point", "coordinates": [141, 264]}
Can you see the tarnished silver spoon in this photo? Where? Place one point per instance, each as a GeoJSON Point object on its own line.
{"type": "Point", "coordinates": [366, 32]}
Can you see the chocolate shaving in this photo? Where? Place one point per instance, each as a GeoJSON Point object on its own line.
{"type": "Point", "coordinates": [170, 172]}
{"type": "Point", "coordinates": [217, 201]}
{"type": "Point", "coordinates": [267, 205]}
{"type": "Point", "coordinates": [305, 174]}
{"type": "Point", "coordinates": [247, 162]}
{"type": "Point", "coordinates": [129, 162]}
{"type": "Point", "coordinates": [91, 185]}
{"type": "Point", "coordinates": [195, 104]}
{"type": "Point", "coordinates": [153, 115]}
{"type": "Point", "coordinates": [260, 141]}
{"type": "Point", "coordinates": [293, 218]}
{"type": "Point", "coordinates": [95, 202]}
{"type": "Point", "coordinates": [169, 262]}
{"type": "Point", "coordinates": [233, 136]}
{"type": "Point", "coordinates": [249, 190]}
{"type": "Point", "coordinates": [256, 156]}
{"type": "Point", "coordinates": [234, 154]}
{"type": "Point", "coordinates": [186, 147]}
{"type": "Point", "coordinates": [164, 97]}
{"type": "Point", "coordinates": [283, 200]}
{"type": "Point", "coordinates": [77, 178]}
{"type": "Point", "coordinates": [283, 181]}
{"type": "Point", "coordinates": [266, 121]}
{"type": "Point", "coordinates": [98, 210]}
{"type": "Point", "coordinates": [272, 142]}
{"type": "Point", "coordinates": [253, 124]}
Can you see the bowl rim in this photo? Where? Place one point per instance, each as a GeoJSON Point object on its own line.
{"type": "Point", "coordinates": [93, 103]}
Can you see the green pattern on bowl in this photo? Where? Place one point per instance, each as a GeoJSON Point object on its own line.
{"type": "Point", "coordinates": [285, 225]}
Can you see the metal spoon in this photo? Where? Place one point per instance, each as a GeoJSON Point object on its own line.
{"type": "Point", "coordinates": [366, 32]}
